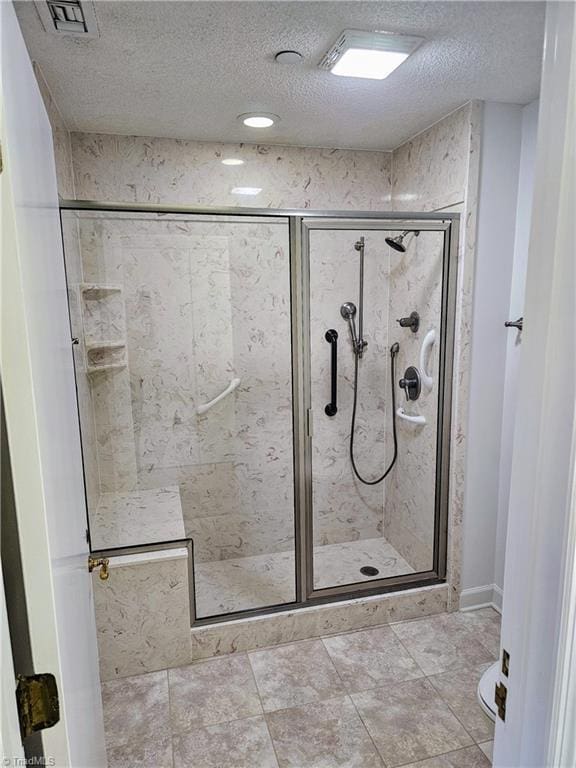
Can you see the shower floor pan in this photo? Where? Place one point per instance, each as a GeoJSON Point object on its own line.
{"type": "Point", "coordinates": [227, 586]}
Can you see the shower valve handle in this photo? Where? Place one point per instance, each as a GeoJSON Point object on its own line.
{"type": "Point", "coordinates": [412, 322]}
{"type": "Point", "coordinates": [410, 383]}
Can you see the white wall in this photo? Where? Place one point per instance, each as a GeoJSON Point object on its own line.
{"type": "Point", "coordinates": [511, 383]}
{"type": "Point", "coordinates": [508, 146]}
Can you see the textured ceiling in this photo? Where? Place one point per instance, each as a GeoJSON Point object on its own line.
{"type": "Point", "coordinates": [187, 69]}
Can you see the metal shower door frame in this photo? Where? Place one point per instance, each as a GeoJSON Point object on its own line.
{"type": "Point", "coordinates": [448, 224]}
{"type": "Point", "coordinates": [300, 222]}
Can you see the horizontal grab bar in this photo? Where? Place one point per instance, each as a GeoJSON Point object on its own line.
{"type": "Point", "coordinates": [401, 413]}
{"type": "Point", "coordinates": [229, 389]}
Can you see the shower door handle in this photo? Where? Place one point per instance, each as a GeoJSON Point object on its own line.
{"type": "Point", "coordinates": [331, 337]}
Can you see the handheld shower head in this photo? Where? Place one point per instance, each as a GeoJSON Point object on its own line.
{"type": "Point", "coordinates": [348, 310]}
{"type": "Point", "coordinates": [398, 242]}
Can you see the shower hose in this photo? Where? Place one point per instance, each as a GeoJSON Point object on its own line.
{"type": "Point", "coordinates": [393, 352]}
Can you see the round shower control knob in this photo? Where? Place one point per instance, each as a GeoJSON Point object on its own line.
{"type": "Point", "coordinates": [411, 383]}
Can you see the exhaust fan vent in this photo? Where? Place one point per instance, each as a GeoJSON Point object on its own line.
{"type": "Point", "coordinates": [68, 16]}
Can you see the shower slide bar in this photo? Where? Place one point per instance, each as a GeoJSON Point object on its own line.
{"type": "Point", "coordinates": [234, 384]}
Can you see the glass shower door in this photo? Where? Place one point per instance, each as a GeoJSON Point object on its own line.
{"type": "Point", "coordinates": [375, 352]}
{"type": "Point", "coordinates": [184, 376]}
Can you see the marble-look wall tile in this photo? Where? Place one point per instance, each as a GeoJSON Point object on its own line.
{"type": "Point", "coordinates": [138, 517]}
{"type": "Point", "coordinates": [75, 279]}
{"type": "Point", "coordinates": [430, 171]}
{"type": "Point", "coordinates": [343, 508]}
{"type": "Point", "coordinates": [198, 296]}
{"type": "Point", "coordinates": [415, 285]}
{"type": "Point", "coordinates": [142, 616]}
{"type": "Point", "coordinates": [155, 170]}
{"type": "Point", "coordinates": [461, 378]}
{"type": "Point", "coordinates": [316, 621]}
{"type": "Point", "coordinates": [439, 169]}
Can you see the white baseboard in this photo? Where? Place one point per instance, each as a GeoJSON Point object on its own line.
{"type": "Point", "coordinates": [489, 596]}
{"type": "Point", "coordinates": [497, 599]}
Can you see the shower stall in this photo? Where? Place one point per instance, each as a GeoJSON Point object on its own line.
{"type": "Point", "coordinates": [246, 377]}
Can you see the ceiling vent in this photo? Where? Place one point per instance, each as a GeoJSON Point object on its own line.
{"type": "Point", "coordinates": [70, 17]}
{"type": "Point", "coordinates": [374, 55]}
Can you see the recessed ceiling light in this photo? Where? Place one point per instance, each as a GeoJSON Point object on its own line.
{"type": "Point", "coordinates": [371, 55]}
{"type": "Point", "coordinates": [232, 161]}
{"type": "Point", "coordinates": [258, 119]}
{"type": "Point", "coordinates": [288, 57]}
{"type": "Point", "coordinates": [246, 190]}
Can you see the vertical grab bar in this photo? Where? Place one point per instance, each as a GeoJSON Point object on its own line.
{"type": "Point", "coordinates": [331, 337]}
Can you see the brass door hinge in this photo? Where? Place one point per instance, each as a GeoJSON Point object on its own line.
{"type": "Point", "coordinates": [99, 562]}
{"type": "Point", "coordinates": [37, 702]}
{"type": "Point", "coordinates": [505, 662]}
{"type": "Point", "coordinates": [500, 696]}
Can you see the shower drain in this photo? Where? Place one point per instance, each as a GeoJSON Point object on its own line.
{"type": "Point", "coordinates": [369, 570]}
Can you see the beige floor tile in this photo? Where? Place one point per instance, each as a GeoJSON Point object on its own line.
{"type": "Point", "coordinates": [136, 710]}
{"type": "Point", "coordinates": [142, 754]}
{"type": "Point", "coordinates": [371, 658]}
{"type": "Point", "coordinates": [295, 674]}
{"type": "Point", "coordinates": [212, 692]}
{"type": "Point", "coordinates": [459, 691]}
{"type": "Point", "coordinates": [471, 757]}
{"type": "Point", "coordinates": [486, 625]}
{"type": "Point", "coordinates": [239, 744]}
{"type": "Point", "coordinates": [409, 722]}
{"type": "Point", "coordinates": [488, 748]}
{"type": "Point", "coordinates": [326, 734]}
{"type": "Point", "coordinates": [441, 643]}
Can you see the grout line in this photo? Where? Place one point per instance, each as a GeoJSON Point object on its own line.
{"type": "Point", "coordinates": [405, 647]}
{"type": "Point", "coordinates": [449, 708]}
{"type": "Point", "coordinates": [341, 695]}
{"type": "Point", "coordinates": [443, 754]}
{"type": "Point", "coordinates": [447, 703]}
{"type": "Point", "coordinates": [384, 763]}
{"type": "Point", "coordinates": [271, 739]}
{"type": "Point", "coordinates": [256, 683]}
{"type": "Point", "coordinates": [323, 701]}
{"type": "Point", "coordinates": [170, 716]}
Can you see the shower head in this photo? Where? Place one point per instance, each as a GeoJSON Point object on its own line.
{"type": "Point", "coordinates": [348, 310]}
{"type": "Point", "coordinates": [398, 242]}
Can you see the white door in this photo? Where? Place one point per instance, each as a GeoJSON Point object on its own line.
{"type": "Point", "coordinates": [41, 417]}
{"type": "Point", "coordinates": [10, 744]}
{"type": "Point", "coordinates": [540, 581]}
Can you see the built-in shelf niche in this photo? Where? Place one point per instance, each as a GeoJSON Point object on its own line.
{"type": "Point", "coordinates": [91, 370]}
{"type": "Point", "coordinates": [104, 325]}
{"type": "Point", "coordinates": [95, 291]}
